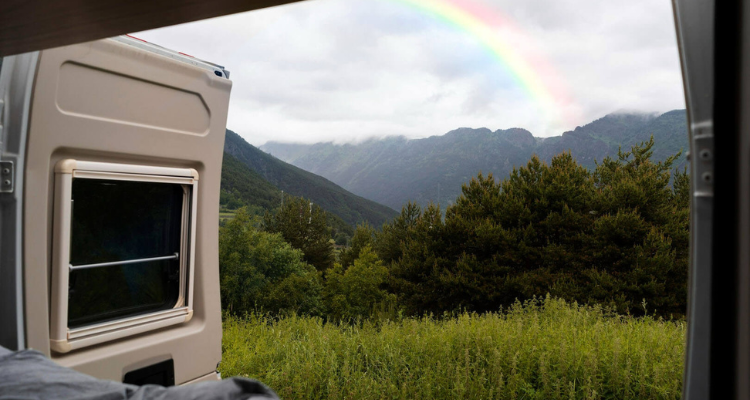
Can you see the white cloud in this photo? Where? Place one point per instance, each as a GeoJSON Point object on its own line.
{"type": "Point", "coordinates": [345, 70]}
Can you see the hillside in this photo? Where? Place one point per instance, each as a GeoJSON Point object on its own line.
{"type": "Point", "coordinates": [241, 186]}
{"type": "Point", "coordinates": [394, 170]}
{"type": "Point", "coordinates": [261, 177]}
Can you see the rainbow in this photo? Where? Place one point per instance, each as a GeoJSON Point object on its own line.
{"type": "Point", "coordinates": [531, 72]}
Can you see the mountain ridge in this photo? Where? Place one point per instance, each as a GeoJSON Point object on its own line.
{"type": "Point", "coordinates": [394, 170]}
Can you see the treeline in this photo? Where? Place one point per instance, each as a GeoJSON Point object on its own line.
{"type": "Point", "coordinates": [616, 236]}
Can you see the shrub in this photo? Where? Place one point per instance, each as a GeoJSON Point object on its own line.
{"type": "Point", "coordinates": [256, 268]}
{"type": "Point", "coordinates": [298, 292]}
{"type": "Point", "coordinates": [354, 292]}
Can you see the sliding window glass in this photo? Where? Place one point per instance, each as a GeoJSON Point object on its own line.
{"type": "Point", "coordinates": [125, 249]}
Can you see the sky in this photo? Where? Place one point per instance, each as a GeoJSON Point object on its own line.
{"type": "Point", "coordinates": [349, 70]}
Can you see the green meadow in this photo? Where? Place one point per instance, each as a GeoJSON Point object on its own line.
{"type": "Point", "coordinates": [546, 349]}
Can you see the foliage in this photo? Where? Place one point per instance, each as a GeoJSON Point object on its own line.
{"type": "Point", "coordinates": [363, 237]}
{"type": "Point", "coordinates": [241, 187]}
{"type": "Point", "coordinates": [541, 350]}
{"type": "Point", "coordinates": [259, 270]}
{"type": "Point", "coordinates": [616, 236]}
{"type": "Point", "coordinates": [392, 236]}
{"type": "Point", "coordinates": [338, 226]}
{"type": "Point", "coordinates": [305, 227]}
{"type": "Point", "coordinates": [341, 239]}
{"type": "Point", "coordinates": [354, 292]}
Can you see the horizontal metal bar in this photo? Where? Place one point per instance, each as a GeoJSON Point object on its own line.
{"type": "Point", "coordinates": [113, 263]}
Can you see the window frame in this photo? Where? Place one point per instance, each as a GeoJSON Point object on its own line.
{"type": "Point", "coordinates": [64, 339]}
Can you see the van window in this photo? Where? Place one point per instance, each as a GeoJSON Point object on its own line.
{"type": "Point", "coordinates": [123, 253]}
{"type": "Point", "coordinates": [124, 249]}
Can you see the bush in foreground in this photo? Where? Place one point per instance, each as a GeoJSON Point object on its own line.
{"type": "Point", "coordinates": [540, 350]}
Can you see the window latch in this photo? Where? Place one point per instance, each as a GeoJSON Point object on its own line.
{"type": "Point", "coordinates": [703, 160]}
{"type": "Point", "coordinates": [7, 175]}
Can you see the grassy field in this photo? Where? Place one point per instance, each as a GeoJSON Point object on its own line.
{"type": "Point", "coordinates": [226, 215]}
{"type": "Point", "coordinates": [544, 350]}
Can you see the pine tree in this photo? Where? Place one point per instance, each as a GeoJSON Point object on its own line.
{"type": "Point", "coordinates": [363, 237]}
{"type": "Point", "coordinates": [390, 239]}
{"type": "Point", "coordinates": [304, 226]}
{"type": "Point", "coordinates": [617, 236]}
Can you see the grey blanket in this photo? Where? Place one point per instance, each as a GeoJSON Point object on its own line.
{"type": "Point", "coordinates": [28, 374]}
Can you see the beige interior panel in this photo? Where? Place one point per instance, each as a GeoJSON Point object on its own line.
{"type": "Point", "coordinates": [94, 93]}
{"type": "Point", "coordinates": [71, 125]}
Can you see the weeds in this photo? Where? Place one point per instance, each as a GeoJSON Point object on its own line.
{"type": "Point", "coordinates": [545, 349]}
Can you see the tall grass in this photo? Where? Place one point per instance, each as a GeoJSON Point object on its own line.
{"type": "Point", "coordinates": [540, 350]}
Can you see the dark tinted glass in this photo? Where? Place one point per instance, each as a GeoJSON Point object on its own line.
{"type": "Point", "coordinates": [102, 294]}
{"type": "Point", "coordinates": [119, 221]}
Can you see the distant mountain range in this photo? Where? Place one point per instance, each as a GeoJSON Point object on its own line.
{"type": "Point", "coordinates": [257, 179]}
{"type": "Point", "coordinates": [395, 170]}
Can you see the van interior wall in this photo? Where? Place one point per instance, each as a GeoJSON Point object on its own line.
{"type": "Point", "coordinates": [109, 102]}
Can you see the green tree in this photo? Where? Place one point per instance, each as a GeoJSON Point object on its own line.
{"type": "Point", "coordinates": [363, 237]}
{"type": "Point", "coordinates": [617, 235]}
{"type": "Point", "coordinates": [390, 239]}
{"type": "Point", "coordinates": [305, 227]}
{"type": "Point", "coordinates": [260, 270]}
{"type": "Point", "coordinates": [642, 237]}
{"type": "Point", "coordinates": [341, 239]}
{"type": "Point", "coordinates": [356, 291]}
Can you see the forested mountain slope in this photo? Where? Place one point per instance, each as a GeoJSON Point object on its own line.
{"type": "Point", "coordinates": [264, 173]}
{"type": "Point", "coordinates": [241, 186]}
